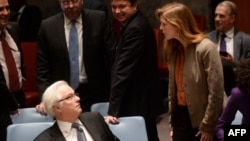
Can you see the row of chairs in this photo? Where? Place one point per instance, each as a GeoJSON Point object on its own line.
{"type": "Point", "coordinates": [30, 123]}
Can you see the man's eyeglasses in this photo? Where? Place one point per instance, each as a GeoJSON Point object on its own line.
{"type": "Point", "coordinates": [69, 97]}
{"type": "Point", "coordinates": [67, 2]}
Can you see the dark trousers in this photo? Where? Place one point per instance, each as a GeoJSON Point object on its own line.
{"type": "Point", "coordinates": [89, 95]}
{"type": "Point", "coordinates": [151, 128]}
{"type": "Point", "coordinates": [86, 99]}
{"type": "Point", "coordinates": [5, 119]}
{"type": "Point", "coordinates": [20, 96]}
{"type": "Point", "coordinates": [4, 122]}
{"type": "Point", "coordinates": [182, 128]}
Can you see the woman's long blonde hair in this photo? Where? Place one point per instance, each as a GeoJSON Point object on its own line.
{"type": "Point", "coordinates": [182, 18]}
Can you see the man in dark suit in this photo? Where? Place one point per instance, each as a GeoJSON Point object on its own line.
{"type": "Point", "coordinates": [95, 45]}
{"type": "Point", "coordinates": [63, 104]}
{"type": "Point", "coordinates": [29, 18]}
{"type": "Point", "coordinates": [237, 43]}
{"type": "Point", "coordinates": [135, 79]}
{"type": "Point", "coordinates": [11, 70]}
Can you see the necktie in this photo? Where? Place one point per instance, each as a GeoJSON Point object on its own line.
{"type": "Point", "coordinates": [223, 46]}
{"type": "Point", "coordinates": [73, 56]}
{"type": "Point", "coordinates": [11, 65]}
{"type": "Point", "coordinates": [80, 132]}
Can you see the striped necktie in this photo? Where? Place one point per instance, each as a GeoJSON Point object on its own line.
{"type": "Point", "coordinates": [80, 132]}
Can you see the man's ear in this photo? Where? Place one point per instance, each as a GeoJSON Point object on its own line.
{"type": "Point", "coordinates": [57, 108]}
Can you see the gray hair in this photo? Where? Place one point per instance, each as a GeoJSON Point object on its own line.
{"type": "Point", "coordinates": [232, 6]}
{"type": "Point", "coordinates": [51, 96]}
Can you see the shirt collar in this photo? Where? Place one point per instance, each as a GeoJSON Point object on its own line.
{"type": "Point", "coordinates": [229, 33]}
{"type": "Point", "coordinates": [65, 127]}
{"type": "Point", "coordinates": [68, 21]}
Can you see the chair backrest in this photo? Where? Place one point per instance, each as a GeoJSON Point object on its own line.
{"type": "Point", "coordinates": [238, 118]}
{"type": "Point", "coordinates": [26, 131]}
{"type": "Point", "coordinates": [130, 129]}
{"type": "Point", "coordinates": [28, 115]}
{"type": "Point", "coordinates": [102, 108]}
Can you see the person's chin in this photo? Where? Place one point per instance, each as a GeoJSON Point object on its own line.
{"type": "Point", "coordinates": [3, 24]}
{"type": "Point", "coordinates": [80, 110]}
{"type": "Point", "coordinates": [72, 16]}
{"type": "Point", "coordinates": [121, 19]}
{"type": "Point", "coordinates": [218, 26]}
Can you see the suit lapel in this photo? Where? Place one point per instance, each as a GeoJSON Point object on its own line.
{"type": "Point", "coordinates": [91, 129]}
{"type": "Point", "coordinates": [60, 33]}
{"type": "Point", "coordinates": [56, 134]}
{"type": "Point", "coordinates": [85, 32]}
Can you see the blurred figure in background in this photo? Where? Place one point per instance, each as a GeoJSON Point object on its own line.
{"type": "Point", "coordinates": [97, 5]}
{"type": "Point", "coordinates": [232, 44]}
{"type": "Point", "coordinates": [28, 17]}
{"type": "Point", "coordinates": [239, 99]}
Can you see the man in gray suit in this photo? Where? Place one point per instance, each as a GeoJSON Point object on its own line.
{"type": "Point", "coordinates": [95, 51]}
{"type": "Point", "coordinates": [62, 103]}
{"type": "Point", "coordinates": [237, 43]}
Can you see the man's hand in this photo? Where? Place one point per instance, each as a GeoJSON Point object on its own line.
{"type": "Point", "coordinates": [110, 119]}
{"type": "Point", "coordinates": [41, 109]}
{"type": "Point", "coordinates": [228, 58]}
{"type": "Point", "coordinates": [14, 112]}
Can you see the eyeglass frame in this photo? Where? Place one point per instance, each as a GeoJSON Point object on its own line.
{"type": "Point", "coordinates": [69, 97]}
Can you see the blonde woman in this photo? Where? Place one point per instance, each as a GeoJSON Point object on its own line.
{"type": "Point", "coordinates": [195, 75]}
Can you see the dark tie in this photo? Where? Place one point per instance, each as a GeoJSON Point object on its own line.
{"type": "Point", "coordinates": [11, 65]}
{"type": "Point", "coordinates": [223, 46]}
{"type": "Point", "coordinates": [80, 132]}
{"type": "Point", "coordinates": [73, 55]}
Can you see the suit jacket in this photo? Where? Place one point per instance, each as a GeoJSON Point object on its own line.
{"type": "Point", "coordinates": [203, 85]}
{"type": "Point", "coordinates": [241, 49]}
{"type": "Point", "coordinates": [241, 44]}
{"type": "Point", "coordinates": [135, 78]}
{"type": "Point", "coordinates": [29, 22]}
{"type": "Point", "coordinates": [7, 99]}
{"type": "Point", "coordinates": [53, 59]}
{"type": "Point", "coordinates": [93, 122]}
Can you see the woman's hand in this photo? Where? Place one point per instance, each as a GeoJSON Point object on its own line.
{"type": "Point", "coordinates": [41, 109]}
{"type": "Point", "coordinates": [205, 136]}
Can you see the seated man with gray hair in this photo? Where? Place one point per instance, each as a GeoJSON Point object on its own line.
{"type": "Point", "coordinates": [71, 124]}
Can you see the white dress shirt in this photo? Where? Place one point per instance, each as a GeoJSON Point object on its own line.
{"type": "Point", "coordinates": [16, 54]}
{"type": "Point", "coordinates": [67, 26]}
{"type": "Point", "coordinates": [69, 133]}
{"type": "Point", "coordinates": [229, 39]}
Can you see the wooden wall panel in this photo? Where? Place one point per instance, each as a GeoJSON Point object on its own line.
{"type": "Point", "coordinates": [243, 19]}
